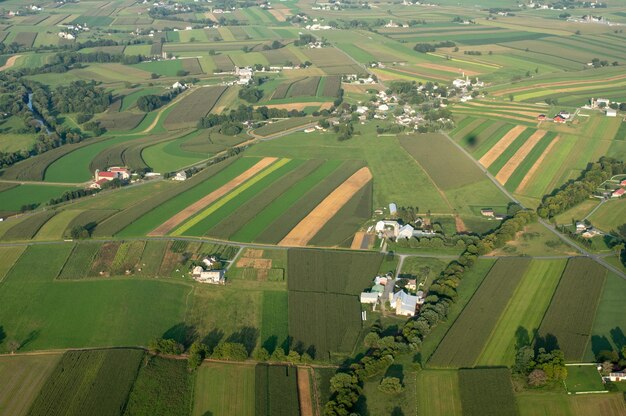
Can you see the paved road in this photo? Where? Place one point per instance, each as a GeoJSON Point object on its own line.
{"type": "Point", "coordinates": [550, 227]}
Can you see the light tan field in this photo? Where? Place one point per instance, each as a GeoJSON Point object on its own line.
{"type": "Point", "coordinates": [531, 173]}
{"type": "Point", "coordinates": [301, 106]}
{"type": "Point", "coordinates": [279, 14]}
{"type": "Point", "coordinates": [519, 156]}
{"type": "Point", "coordinates": [306, 229]}
{"type": "Point", "coordinates": [452, 69]}
{"type": "Point", "coordinates": [304, 392]}
{"type": "Point", "coordinates": [495, 115]}
{"type": "Point", "coordinates": [9, 63]}
{"type": "Point", "coordinates": [357, 242]}
{"type": "Point", "coordinates": [493, 153]}
{"type": "Point", "coordinates": [192, 209]}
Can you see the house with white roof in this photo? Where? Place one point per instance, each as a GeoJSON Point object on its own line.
{"type": "Point", "coordinates": [403, 303]}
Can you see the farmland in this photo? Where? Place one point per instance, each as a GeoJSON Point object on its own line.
{"type": "Point", "coordinates": [575, 302]}
{"type": "Point", "coordinates": [89, 381]}
{"type": "Point", "coordinates": [315, 296]}
{"type": "Point", "coordinates": [486, 392]}
{"type": "Point", "coordinates": [445, 111]}
{"type": "Point", "coordinates": [463, 343]}
{"type": "Point", "coordinates": [24, 378]}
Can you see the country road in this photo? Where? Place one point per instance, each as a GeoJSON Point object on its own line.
{"type": "Point", "coordinates": [550, 227]}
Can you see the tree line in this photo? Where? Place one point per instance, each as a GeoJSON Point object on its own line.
{"type": "Point", "coordinates": [580, 189]}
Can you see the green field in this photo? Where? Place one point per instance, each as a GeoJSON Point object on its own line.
{"type": "Point", "coordinates": [14, 198]}
{"type": "Point", "coordinates": [276, 390]}
{"type": "Point", "coordinates": [89, 382]}
{"type": "Point", "coordinates": [466, 339]}
{"type": "Point", "coordinates": [583, 378]}
{"type": "Point", "coordinates": [608, 328]}
{"type": "Point", "coordinates": [486, 392]}
{"type": "Point", "coordinates": [524, 312]}
{"type": "Point", "coordinates": [432, 386]}
{"type": "Point", "coordinates": [163, 388]}
{"type": "Point", "coordinates": [609, 216]}
{"type": "Point", "coordinates": [576, 298]}
{"type": "Point", "coordinates": [215, 386]}
{"type": "Point", "coordinates": [83, 314]}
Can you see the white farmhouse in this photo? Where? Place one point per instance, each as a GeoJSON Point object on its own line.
{"type": "Point", "coordinates": [403, 303]}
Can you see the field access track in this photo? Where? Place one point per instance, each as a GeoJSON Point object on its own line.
{"type": "Point", "coordinates": [186, 213]}
{"type": "Point", "coordinates": [306, 229]}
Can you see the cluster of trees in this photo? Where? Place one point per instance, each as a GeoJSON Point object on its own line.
{"type": "Point", "coordinates": [83, 231]}
{"type": "Point", "coordinates": [305, 39]}
{"type": "Point", "coordinates": [432, 47]}
{"type": "Point", "coordinates": [540, 367]}
{"type": "Point", "coordinates": [345, 131]}
{"type": "Point", "coordinates": [80, 97]}
{"type": "Point", "coordinates": [64, 61]}
{"type": "Point", "coordinates": [246, 113]}
{"type": "Point", "coordinates": [599, 63]}
{"type": "Point", "coordinates": [574, 192]}
{"type": "Point", "coordinates": [71, 195]}
{"type": "Point", "coordinates": [475, 53]}
{"type": "Point", "coordinates": [151, 102]}
{"type": "Point", "coordinates": [279, 355]}
{"type": "Point", "coordinates": [251, 94]}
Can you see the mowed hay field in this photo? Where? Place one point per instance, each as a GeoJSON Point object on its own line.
{"type": "Point", "coordinates": [532, 403]}
{"type": "Point", "coordinates": [432, 386]}
{"type": "Point", "coordinates": [487, 392]}
{"type": "Point", "coordinates": [569, 319]}
{"type": "Point", "coordinates": [224, 389]}
{"type": "Point", "coordinates": [22, 379]}
{"type": "Point", "coordinates": [465, 340]}
{"type": "Point", "coordinates": [93, 382]}
{"type": "Point", "coordinates": [317, 297]}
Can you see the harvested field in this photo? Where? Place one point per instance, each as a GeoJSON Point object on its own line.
{"type": "Point", "coordinates": [450, 69]}
{"type": "Point", "coordinates": [501, 146]}
{"type": "Point", "coordinates": [569, 319]}
{"type": "Point", "coordinates": [306, 229]}
{"type": "Point", "coordinates": [529, 177]}
{"type": "Point", "coordinates": [304, 391]}
{"type": "Point", "coordinates": [25, 39]}
{"type": "Point", "coordinates": [505, 173]}
{"type": "Point", "coordinates": [192, 209]}
{"type": "Point", "coordinates": [323, 105]}
{"type": "Point", "coordinates": [464, 342]}
{"type": "Point", "coordinates": [360, 240]}
{"type": "Point", "coordinates": [22, 379]}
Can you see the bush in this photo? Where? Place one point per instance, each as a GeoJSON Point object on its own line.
{"type": "Point", "coordinates": [231, 351]}
{"type": "Point", "coordinates": [165, 346]}
{"type": "Point", "coordinates": [390, 385]}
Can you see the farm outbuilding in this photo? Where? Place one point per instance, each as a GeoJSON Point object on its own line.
{"type": "Point", "coordinates": [393, 209]}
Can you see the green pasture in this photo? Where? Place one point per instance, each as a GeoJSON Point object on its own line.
{"type": "Point", "coordinates": [432, 385]}
{"type": "Point", "coordinates": [87, 313]}
{"type": "Point", "coordinates": [14, 198]}
{"type": "Point", "coordinates": [168, 156]}
{"type": "Point", "coordinates": [167, 68]}
{"type": "Point", "coordinates": [610, 215]}
{"type": "Point", "coordinates": [583, 378]}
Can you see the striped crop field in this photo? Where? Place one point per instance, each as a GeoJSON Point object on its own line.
{"type": "Point", "coordinates": [276, 200]}
{"type": "Point", "coordinates": [464, 341]}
